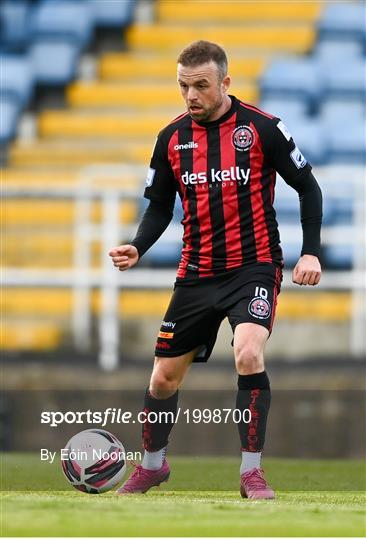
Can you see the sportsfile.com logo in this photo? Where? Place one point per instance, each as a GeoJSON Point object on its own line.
{"type": "Point", "coordinates": [225, 175]}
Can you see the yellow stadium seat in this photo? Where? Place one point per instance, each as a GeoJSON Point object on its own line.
{"type": "Point", "coordinates": [148, 96]}
{"type": "Point", "coordinates": [70, 155]}
{"type": "Point", "coordinates": [197, 11]}
{"type": "Point", "coordinates": [38, 212]}
{"type": "Point", "coordinates": [74, 124]}
{"type": "Point", "coordinates": [127, 66]}
{"type": "Point", "coordinates": [321, 306]}
{"type": "Point", "coordinates": [30, 335]}
{"type": "Point", "coordinates": [298, 38]}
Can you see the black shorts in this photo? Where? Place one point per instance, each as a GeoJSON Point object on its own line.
{"type": "Point", "coordinates": [198, 307]}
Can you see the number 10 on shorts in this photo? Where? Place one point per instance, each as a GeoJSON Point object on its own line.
{"type": "Point", "coordinates": [261, 291]}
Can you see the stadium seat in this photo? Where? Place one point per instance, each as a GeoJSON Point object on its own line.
{"type": "Point", "coordinates": [339, 257]}
{"type": "Point", "coordinates": [171, 38]}
{"type": "Point", "coordinates": [343, 20]}
{"type": "Point", "coordinates": [194, 12]}
{"type": "Point", "coordinates": [54, 63]}
{"type": "Point", "coordinates": [17, 78]}
{"type": "Point", "coordinates": [14, 19]}
{"type": "Point", "coordinates": [30, 335]}
{"type": "Point", "coordinates": [291, 110]}
{"type": "Point", "coordinates": [9, 110]}
{"type": "Point", "coordinates": [111, 14]}
{"type": "Point", "coordinates": [347, 83]}
{"type": "Point", "coordinates": [292, 78]}
{"type": "Point", "coordinates": [141, 96]}
{"type": "Point", "coordinates": [133, 66]}
{"type": "Point", "coordinates": [71, 154]}
{"type": "Point", "coordinates": [75, 124]}
{"type": "Point", "coordinates": [329, 52]}
{"type": "Point", "coordinates": [63, 19]}
{"type": "Point", "coordinates": [311, 139]}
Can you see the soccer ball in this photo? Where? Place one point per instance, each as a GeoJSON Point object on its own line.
{"type": "Point", "coordinates": [93, 461]}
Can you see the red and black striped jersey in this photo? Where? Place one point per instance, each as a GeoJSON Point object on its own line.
{"type": "Point", "coordinates": [225, 174]}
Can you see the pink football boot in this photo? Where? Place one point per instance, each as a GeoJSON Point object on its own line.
{"type": "Point", "coordinates": [141, 480]}
{"type": "Point", "coordinates": [254, 486]}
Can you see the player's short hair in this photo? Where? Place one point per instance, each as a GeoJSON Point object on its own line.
{"type": "Point", "coordinates": [202, 52]}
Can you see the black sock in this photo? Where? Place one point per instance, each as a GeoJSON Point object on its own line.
{"type": "Point", "coordinates": [155, 433]}
{"type": "Point", "coordinates": [254, 393]}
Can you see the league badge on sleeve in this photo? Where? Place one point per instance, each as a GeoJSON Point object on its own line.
{"type": "Point", "coordinates": [298, 158]}
{"type": "Point", "coordinates": [150, 177]}
{"type": "Point", "coordinates": [283, 129]}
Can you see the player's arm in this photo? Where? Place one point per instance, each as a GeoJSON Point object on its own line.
{"type": "Point", "coordinates": [160, 189]}
{"type": "Point", "coordinates": [155, 220]}
{"type": "Point", "coordinates": [286, 158]}
{"type": "Point", "coordinates": [308, 270]}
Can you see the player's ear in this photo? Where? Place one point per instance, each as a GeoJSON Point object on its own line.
{"type": "Point", "coordinates": [226, 83]}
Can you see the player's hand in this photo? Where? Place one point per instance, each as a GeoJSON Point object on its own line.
{"type": "Point", "coordinates": [307, 271]}
{"type": "Point", "coordinates": [124, 257]}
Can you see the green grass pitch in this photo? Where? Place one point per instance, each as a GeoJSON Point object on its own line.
{"type": "Point", "coordinates": [314, 498]}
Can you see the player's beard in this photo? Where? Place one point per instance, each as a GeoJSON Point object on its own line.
{"type": "Point", "coordinates": [205, 114]}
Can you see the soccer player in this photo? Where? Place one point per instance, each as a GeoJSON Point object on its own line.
{"type": "Point", "coordinates": [221, 156]}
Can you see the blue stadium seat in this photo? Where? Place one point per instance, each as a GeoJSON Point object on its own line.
{"type": "Point", "coordinates": [290, 110]}
{"type": "Point", "coordinates": [294, 77]}
{"type": "Point", "coordinates": [111, 14]}
{"type": "Point", "coordinates": [310, 138]}
{"type": "Point", "coordinates": [10, 109]}
{"type": "Point", "coordinates": [14, 24]}
{"type": "Point", "coordinates": [338, 257]}
{"type": "Point", "coordinates": [347, 143]}
{"type": "Point", "coordinates": [17, 79]}
{"type": "Point", "coordinates": [291, 250]}
{"type": "Point", "coordinates": [344, 20]}
{"type": "Point", "coordinates": [54, 63]}
{"type": "Point", "coordinates": [348, 82]}
{"type": "Point", "coordinates": [65, 19]}
{"type": "Point", "coordinates": [330, 52]}
{"type": "Point", "coordinates": [164, 253]}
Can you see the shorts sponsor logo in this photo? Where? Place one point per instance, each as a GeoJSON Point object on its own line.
{"type": "Point", "coordinates": [259, 308]}
{"type": "Point", "coordinates": [166, 335]}
{"type": "Point", "coordinates": [242, 138]}
{"type": "Point", "coordinates": [150, 177]}
{"type": "Point", "coordinates": [162, 345]}
{"type": "Point", "coordinates": [283, 129]}
{"type": "Point", "coordinates": [298, 158]}
{"type": "Point", "coordinates": [186, 146]}
{"type": "Point", "coordinates": [168, 324]}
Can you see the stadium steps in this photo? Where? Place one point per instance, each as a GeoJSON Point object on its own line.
{"type": "Point", "coordinates": [50, 302]}
{"type": "Point", "coordinates": [196, 11]}
{"type": "Point", "coordinates": [295, 38]}
{"type": "Point", "coordinates": [30, 335]}
{"type": "Point", "coordinates": [141, 97]}
{"type": "Point", "coordinates": [66, 154]}
{"type": "Point", "coordinates": [44, 250]}
{"type": "Point", "coordinates": [130, 66]}
{"type": "Point", "coordinates": [86, 124]}
{"type": "Point", "coordinates": [42, 212]}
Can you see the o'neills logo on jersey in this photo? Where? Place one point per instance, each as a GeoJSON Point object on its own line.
{"type": "Point", "coordinates": [234, 173]}
{"type": "Point", "coordinates": [187, 146]}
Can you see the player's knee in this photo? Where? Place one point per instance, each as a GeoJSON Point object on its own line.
{"type": "Point", "coordinates": [248, 359]}
{"type": "Point", "coordinates": [163, 385]}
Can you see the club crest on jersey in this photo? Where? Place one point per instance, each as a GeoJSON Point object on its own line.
{"type": "Point", "coordinates": [242, 138]}
{"type": "Point", "coordinates": [259, 308]}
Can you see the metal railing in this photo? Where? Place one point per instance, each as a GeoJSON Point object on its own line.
{"type": "Point", "coordinates": [105, 183]}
